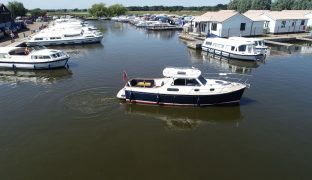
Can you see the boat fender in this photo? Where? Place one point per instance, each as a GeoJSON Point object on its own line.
{"type": "Point", "coordinates": [157, 99]}
{"type": "Point", "coordinates": [130, 96]}
{"type": "Point", "coordinates": [198, 101]}
{"type": "Point", "coordinates": [67, 66]}
{"type": "Point", "coordinates": [34, 67]}
{"type": "Point", "coordinates": [49, 66]}
{"type": "Point", "coordinates": [13, 66]}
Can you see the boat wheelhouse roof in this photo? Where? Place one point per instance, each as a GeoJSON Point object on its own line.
{"type": "Point", "coordinates": [180, 72]}
{"type": "Point", "coordinates": [6, 50]}
{"type": "Point", "coordinates": [56, 33]}
{"type": "Point", "coordinates": [246, 39]}
{"type": "Point", "coordinates": [228, 41]}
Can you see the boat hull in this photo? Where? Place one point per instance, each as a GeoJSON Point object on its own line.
{"type": "Point", "coordinates": [232, 55]}
{"type": "Point", "coordinates": [35, 65]}
{"type": "Point", "coordinates": [65, 42]}
{"type": "Point", "coordinates": [184, 100]}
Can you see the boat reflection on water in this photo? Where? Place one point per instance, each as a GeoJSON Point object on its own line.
{"type": "Point", "coordinates": [235, 66]}
{"type": "Point", "coordinates": [182, 118]}
{"type": "Point", "coordinates": [36, 77]}
{"type": "Point", "coordinates": [228, 64]}
{"type": "Point", "coordinates": [164, 35]}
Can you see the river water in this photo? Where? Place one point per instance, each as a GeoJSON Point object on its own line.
{"type": "Point", "coordinates": [67, 124]}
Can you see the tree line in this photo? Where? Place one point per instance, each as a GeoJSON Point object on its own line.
{"type": "Point", "coordinates": [178, 8]}
{"type": "Point", "coordinates": [100, 9]}
{"type": "Point", "coordinates": [278, 5]}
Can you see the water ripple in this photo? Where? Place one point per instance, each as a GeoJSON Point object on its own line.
{"type": "Point", "coordinates": [91, 102]}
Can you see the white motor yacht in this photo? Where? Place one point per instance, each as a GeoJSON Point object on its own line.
{"type": "Point", "coordinates": [231, 49]}
{"type": "Point", "coordinates": [182, 86]}
{"type": "Point", "coordinates": [32, 58]}
{"type": "Point", "coordinates": [257, 42]}
{"type": "Point", "coordinates": [65, 37]}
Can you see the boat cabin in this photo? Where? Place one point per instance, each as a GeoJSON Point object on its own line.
{"type": "Point", "coordinates": [230, 45]}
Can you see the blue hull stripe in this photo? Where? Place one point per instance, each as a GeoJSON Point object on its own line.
{"type": "Point", "coordinates": [191, 100]}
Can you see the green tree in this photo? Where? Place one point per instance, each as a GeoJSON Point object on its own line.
{"type": "Point", "coordinates": [283, 4]}
{"type": "Point", "coordinates": [261, 4]}
{"type": "Point", "coordinates": [37, 12]}
{"type": "Point", "coordinates": [233, 4]}
{"type": "Point", "coordinates": [17, 9]}
{"type": "Point", "coordinates": [302, 4]}
{"type": "Point", "coordinates": [98, 10]}
{"type": "Point", "coordinates": [244, 5]}
{"type": "Point", "coordinates": [117, 10]}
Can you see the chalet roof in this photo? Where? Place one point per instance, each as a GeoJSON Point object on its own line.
{"type": "Point", "coordinates": [255, 14]}
{"type": "Point", "coordinates": [304, 12]}
{"type": "Point", "coordinates": [216, 16]}
{"type": "Point", "coordinates": [284, 15]}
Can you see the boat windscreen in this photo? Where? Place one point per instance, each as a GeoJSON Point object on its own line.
{"type": "Point", "coordinates": [202, 80]}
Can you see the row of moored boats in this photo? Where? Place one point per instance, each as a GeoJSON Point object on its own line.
{"type": "Point", "coordinates": [66, 31]}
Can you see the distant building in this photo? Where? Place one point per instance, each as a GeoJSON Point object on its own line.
{"type": "Point", "coordinates": [285, 21]}
{"type": "Point", "coordinates": [259, 23]}
{"type": "Point", "coordinates": [225, 23]}
{"type": "Point", "coordinates": [306, 13]}
{"type": "Point", "coordinates": [5, 16]}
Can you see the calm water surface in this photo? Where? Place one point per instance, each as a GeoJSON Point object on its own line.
{"type": "Point", "coordinates": [67, 124]}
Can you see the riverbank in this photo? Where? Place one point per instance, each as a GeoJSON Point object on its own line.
{"type": "Point", "coordinates": [21, 36]}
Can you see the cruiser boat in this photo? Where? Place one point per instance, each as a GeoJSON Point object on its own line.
{"type": "Point", "coordinates": [184, 87]}
{"type": "Point", "coordinates": [230, 48]}
{"type": "Point", "coordinates": [65, 37]}
{"type": "Point", "coordinates": [258, 43]}
{"type": "Point", "coordinates": [32, 58]}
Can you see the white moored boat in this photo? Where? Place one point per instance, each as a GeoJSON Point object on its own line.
{"type": "Point", "coordinates": [182, 86]}
{"type": "Point", "coordinates": [231, 49]}
{"type": "Point", "coordinates": [50, 37]}
{"type": "Point", "coordinates": [257, 42]}
{"type": "Point", "coordinates": [32, 58]}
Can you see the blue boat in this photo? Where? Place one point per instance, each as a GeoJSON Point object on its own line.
{"type": "Point", "coordinates": [182, 87]}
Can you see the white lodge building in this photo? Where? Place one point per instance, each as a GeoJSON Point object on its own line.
{"type": "Point", "coordinates": [285, 21]}
{"type": "Point", "coordinates": [225, 23]}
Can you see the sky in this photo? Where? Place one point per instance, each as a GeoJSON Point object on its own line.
{"type": "Point", "coordinates": [84, 4]}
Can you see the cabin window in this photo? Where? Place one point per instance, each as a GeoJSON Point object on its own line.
{"type": "Point", "coordinates": [2, 55]}
{"type": "Point", "coordinates": [232, 48]}
{"type": "Point", "coordinates": [214, 26]}
{"type": "Point", "coordinates": [249, 48]}
{"type": "Point", "coordinates": [172, 89]}
{"type": "Point", "coordinates": [38, 39]}
{"type": "Point", "coordinates": [302, 22]}
{"type": "Point", "coordinates": [242, 26]}
{"type": "Point", "coordinates": [71, 35]}
{"type": "Point", "coordinates": [192, 82]}
{"type": "Point", "coordinates": [179, 82]}
{"type": "Point", "coordinates": [283, 24]}
{"type": "Point", "coordinates": [34, 57]}
{"type": "Point", "coordinates": [202, 80]}
{"type": "Point", "coordinates": [242, 48]}
{"type": "Point", "coordinates": [208, 43]}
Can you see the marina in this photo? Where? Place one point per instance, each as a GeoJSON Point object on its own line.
{"type": "Point", "coordinates": [168, 103]}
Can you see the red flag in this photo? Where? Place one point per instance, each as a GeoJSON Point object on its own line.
{"type": "Point", "coordinates": [125, 76]}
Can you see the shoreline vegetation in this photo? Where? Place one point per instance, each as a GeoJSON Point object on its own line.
{"type": "Point", "coordinates": [101, 10]}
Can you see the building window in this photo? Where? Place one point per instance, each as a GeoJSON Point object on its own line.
{"type": "Point", "coordinates": [214, 26]}
{"type": "Point", "coordinates": [302, 22]}
{"type": "Point", "coordinates": [242, 26]}
{"type": "Point", "coordinates": [283, 24]}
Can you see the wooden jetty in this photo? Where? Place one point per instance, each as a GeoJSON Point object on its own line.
{"type": "Point", "coordinates": [278, 43]}
{"type": "Point", "coordinates": [195, 45]}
